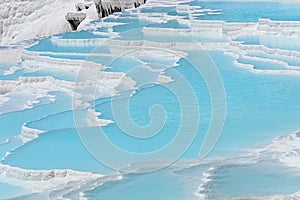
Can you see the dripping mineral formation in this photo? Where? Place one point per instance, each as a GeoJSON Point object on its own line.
{"type": "Point", "coordinates": [107, 7]}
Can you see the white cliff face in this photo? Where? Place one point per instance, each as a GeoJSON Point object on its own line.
{"type": "Point", "coordinates": [27, 19]}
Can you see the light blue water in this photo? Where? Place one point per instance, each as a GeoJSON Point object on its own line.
{"type": "Point", "coordinates": [102, 28]}
{"type": "Point", "coordinates": [127, 27]}
{"type": "Point", "coordinates": [254, 102]}
{"type": "Point", "coordinates": [81, 35]}
{"type": "Point", "coordinates": [289, 60]}
{"type": "Point", "coordinates": [275, 42]}
{"type": "Point", "coordinates": [169, 9]}
{"type": "Point", "coordinates": [59, 75]}
{"type": "Point", "coordinates": [238, 181]}
{"type": "Point", "coordinates": [139, 108]}
{"type": "Point", "coordinates": [13, 76]}
{"type": "Point", "coordinates": [158, 185]}
{"type": "Point", "coordinates": [235, 11]}
{"type": "Point", "coordinates": [59, 149]}
{"type": "Point", "coordinates": [56, 121]}
{"type": "Point", "coordinates": [10, 191]}
{"type": "Point", "coordinates": [122, 64]}
{"type": "Point", "coordinates": [70, 57]}
{"type": "Point", "coordinates": [47, 45]}
{"type": "Point", "coordinates": [4, 67]}
{"type": "Point", "coordinates": [123, 19]}
{"type": "Point", "coordinates": [163, 38]}
{"type": "Point", "coordinates": [253, 112]}
{"type": "Point", "coordinates": [263, 65]}
{"type": "Point", "coordinates": [18, 118]}
{"type": "Point", "coordinates": [170, 24]}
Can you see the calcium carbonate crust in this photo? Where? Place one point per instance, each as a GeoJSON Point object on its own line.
{"type": "Point", "coordinates": [28, 19]}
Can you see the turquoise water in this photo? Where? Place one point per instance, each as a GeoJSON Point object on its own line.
{"type": "Point", "coordinates": [81, 35]}
{"type": "Point", "coordinates": [235, 11]}
{"type": "Point", "coordinates": [260, 107]}
{"type": "Point", "coordinates": [56, 121]}
{"type": "Point", "coordinates": [59, 149]}
{"type": "Point", "coordinates": [242, 181]}
{"type": "Point", "coordinates": [123, 64]}
{"type": "Point", "coordinates": [275, 42]}
{"type": "Point", "coordinates": [262, 65]}
{"type": "Point", "coordinates": [68, 76]}
{"type": "Point", "coordinates": [170, 24]}
{"type": "Point", "coordinates": [158, 9]}
{"type": "Point", "coordinates": [251, 116]}
{"type": "Point", "coordinates": [254, 102]}
{"type": "Point", "coordinates": [138, 108]}
{"type": "Point", "coordinates": [47, 45]}
{"type": "Point", "coordinates": [158, 185]}
{"type": "Point", "coordinates": [10, 191]}
{"type": "Point", "coordinates": [4, 67]}
{"type": "Point", "coordinates": [20, 117]}
{"type": "Point", "coordinates": [289, 60]}
{"type": "Point", "coordinates": [139, 34]}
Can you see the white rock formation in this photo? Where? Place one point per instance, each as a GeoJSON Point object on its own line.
{"type": "Point", "coordinates": [27, 19]}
